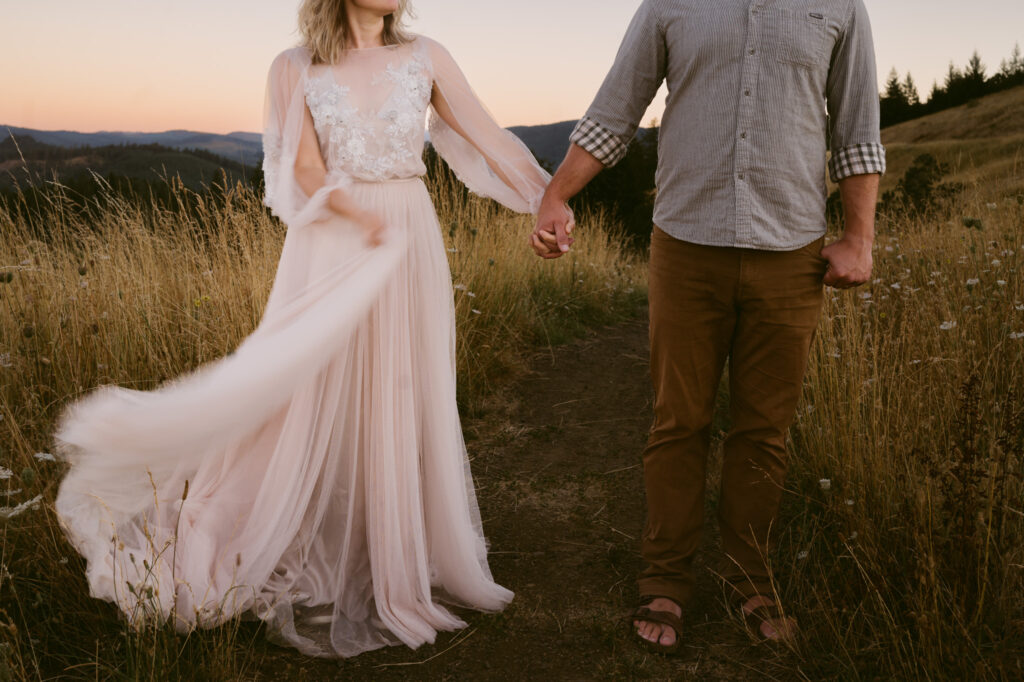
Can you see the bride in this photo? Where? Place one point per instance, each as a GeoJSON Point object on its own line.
{"type": "Point", "coordinates": [316, 478]}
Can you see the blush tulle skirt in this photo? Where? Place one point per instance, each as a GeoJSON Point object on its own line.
{"type": "Point", "coordinates": [316, 478]}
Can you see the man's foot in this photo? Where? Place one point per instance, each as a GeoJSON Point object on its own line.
{"type": "Point", "coordinates": [661, 634]}
{"type": "Point", "coordinates": [763, 615]}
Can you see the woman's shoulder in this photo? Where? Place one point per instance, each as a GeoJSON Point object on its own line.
{"type": "Point", "coordinates": [293, 57]}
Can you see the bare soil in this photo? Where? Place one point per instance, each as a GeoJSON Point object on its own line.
{"type": "Point", "coordinates": [558, 473]}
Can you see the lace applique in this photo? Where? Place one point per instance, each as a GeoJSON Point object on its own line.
{"type": "Point", "coordinates": [373, 145]}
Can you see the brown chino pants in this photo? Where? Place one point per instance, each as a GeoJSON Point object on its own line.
{"type": "Point", "coordinates": [760, 310]}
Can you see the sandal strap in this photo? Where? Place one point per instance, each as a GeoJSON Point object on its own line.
{"type": "Point", "coordinates": [661, 617]}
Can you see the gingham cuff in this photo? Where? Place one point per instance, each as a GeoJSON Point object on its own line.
{"type": "Point", "coordinates": [606, 147]}
{"type": "Point", "coordinates": [857, 159]}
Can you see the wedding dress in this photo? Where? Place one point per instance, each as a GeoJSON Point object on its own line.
{"type": "Point", "coordinates": [316, 478]}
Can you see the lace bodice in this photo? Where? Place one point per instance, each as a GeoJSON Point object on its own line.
{"type": "Point", "coordinates": [369, 111]}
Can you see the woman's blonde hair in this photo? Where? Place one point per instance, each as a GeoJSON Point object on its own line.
{"type": "Point", "coordinates": [325, 31]}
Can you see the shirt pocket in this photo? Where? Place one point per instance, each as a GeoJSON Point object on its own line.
{"type": "Point", "coordinates": [794, 36]}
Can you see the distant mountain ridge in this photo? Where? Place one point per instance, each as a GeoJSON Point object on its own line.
{"type": "Point", "coordinates": [549, 142]}
{"type": "Point", "coordinates": [239, 147]}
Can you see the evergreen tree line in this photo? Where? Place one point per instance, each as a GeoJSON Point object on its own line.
{"type": "Point", "coordinates": [902, 102]}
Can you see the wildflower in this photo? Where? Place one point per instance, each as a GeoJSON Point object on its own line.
{"type": "Point", "coordinates": [947, 325]}
{"type": "Point", "coordinates": [11, 512]}
{"type": "Point", "coordinates": [5, 473]}
{"type": "Point", "coordinates": [84, 284]}
{"type": "Point", "coordinates": [470, 294]}
{"type": "Point", "coordinates": [801, 555]}
{"type": "Point", "coordinates": [1016, 335]}
{"type": "Point", "coordinates": [5, 360]}
{"type": "Point", "coordinates": [888, 249]}
{"type": "Point", "coordinates": [996, 263]}
{"type": "Point", "coordinates": [45, 457]}
{"type": "Point", "coordinates": [460, 287]}
{"type": "Point", "coordinates": [1018, 307]}
{"type": "Point", "coordinates": [453, 250]}
{"type": "Point", "coordinates": [1001, 282]}
{"type": "Point", "coordinates": [9, 493]}
{"type": "Point", "coordinates": [62, 560]}
{"type": "Point", "coordinates": [853, 535]}
{"type": "Point", "coordinates": [849, 502]}
{"type": "Point", "coordinates": [866, 295]}
{"type": "Point", "coordinates": [475, 311]}
{"type": "Point", "coordinates": [825, 484]}
{"type": "Point", "coordinates": [931, 282]}
{"type": "Point", "coordinates": [990, 206]}
{"type": "Point", "coordinates": [896, 286]}
{"type": "Point", "coordinates": [973, 281]}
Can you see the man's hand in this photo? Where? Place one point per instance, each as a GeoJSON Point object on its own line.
{"type": "Point", "coordinates": [849, 258]}
{"type": "Point", "coordinates": [849, 262]}
{"type": "Point", "coordinates": [551, 236]}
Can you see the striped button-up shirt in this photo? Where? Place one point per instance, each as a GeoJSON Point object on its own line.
{"type": "Point", "coordinates": [755, 88]}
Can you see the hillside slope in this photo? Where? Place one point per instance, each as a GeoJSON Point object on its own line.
{"type": "Point", "coordinates": [982, 143]}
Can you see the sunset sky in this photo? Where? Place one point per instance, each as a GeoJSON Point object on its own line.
{"type": "Point", "coordinates": [149, 65]}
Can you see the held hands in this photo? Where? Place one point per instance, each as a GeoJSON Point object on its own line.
{"type": "Point", "coordinates": [555, 222]}
{"type": "Point", "coordinates": [371, 225]}
{"type": "Point", "coordinates": [849, 261]}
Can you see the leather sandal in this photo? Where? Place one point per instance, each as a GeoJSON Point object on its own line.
{"type": "Point", "coordinates": [767, 613]}
{"type": "Point", "coordinates": [668, 618]}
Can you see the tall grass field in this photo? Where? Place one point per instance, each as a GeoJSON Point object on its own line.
{"type": "Point", "coordinates": [902, 547]}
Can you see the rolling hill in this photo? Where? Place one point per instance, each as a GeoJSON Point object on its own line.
{"type": "Point", "coordinates": [981, 141]}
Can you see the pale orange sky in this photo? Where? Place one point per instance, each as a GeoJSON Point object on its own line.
{"type": "Point", "coordinates": [143, 65]}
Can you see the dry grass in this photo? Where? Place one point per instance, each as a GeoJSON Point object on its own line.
{"type": "Point", "coordinates": [129, 295]}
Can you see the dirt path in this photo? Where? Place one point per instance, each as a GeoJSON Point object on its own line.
{"type": "Point", "coordinates": [561, 495]}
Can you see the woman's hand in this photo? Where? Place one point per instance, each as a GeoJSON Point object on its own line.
{"type": "Point", "coordinates": [372, 225]}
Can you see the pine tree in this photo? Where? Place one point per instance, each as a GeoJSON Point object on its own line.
{"type": "Point", "coordinates": [910, 93]}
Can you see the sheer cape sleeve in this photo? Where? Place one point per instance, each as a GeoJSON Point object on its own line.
{"type": "Point", "coordinates": [284, 113]}
{"type": "Point", "coordinates": [488, 159]}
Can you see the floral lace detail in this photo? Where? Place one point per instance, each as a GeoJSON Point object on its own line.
{"type": "Point", "coordinates": [271, 161]}
{"type": "Point", "coordinates": [373, 145]}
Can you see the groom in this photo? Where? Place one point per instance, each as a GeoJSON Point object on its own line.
{"type": "Point", "coordinates": [737, 267]}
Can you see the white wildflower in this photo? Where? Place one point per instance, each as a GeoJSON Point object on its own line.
{"type": "Point", "coordinates": [990, 206]}
{"type": "Point", "coordinates": [62, 560]}
{"type": "Point", "coordinates": [84, 284]}
{"type": "Point", "coordinates": [866, 295]}
{"type": "Point", "coordinates": [475, 311]}
{"type": "Point", "coordinates": [460, 287]}
{"type": "Point", "coordinates": [5, 473]}
{"type": "Point", "coordinates": [11, 512]}
{"type": "Point", "coordinates": [45, 457]}
{"type": "Point", "coordinates": [853, 535]}
{"type": "Point", "coordinates": [889, 249]}
{"type": "Point", "coordinates": [896, 286]}
{"type": "Point", "coordinates": [849, 503]}
{"type": "Point", "coordinates": [931, 282]}
{"type": "Point", "coordinates": [1018, 308]}
{"type": "Point", "coordinates": [947, 325]}
{"type": "Point", "coordinates": [470, 294]}
{"type": "Point", "coordinates": [801, 555]}
{"type": "Point", "coordinates": [9, 493]}
{"type": "Point", "coordinates": [453, 250]}
{"type": "Point", "coordinates": [996, 263]}
{"type": "Point", "coordinates": [5, 360]}
{"type": "Point", "coordinates": [1016, 335]}
{"type": "Point", "coordinates": [825, 484]}
{"type": "Point", "coordinates": [1001, 282]}
{"type": "Point", "coordinates": [973, 281]}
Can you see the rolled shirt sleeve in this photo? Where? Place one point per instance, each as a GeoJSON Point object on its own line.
{"type": "Point", "coordinates": [852, 100]}
{"type": "Point", "coordinates": [612, 120]}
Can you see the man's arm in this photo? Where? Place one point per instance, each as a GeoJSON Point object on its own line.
{"type": "Point", "coordinates": [858, 157]}
{"type": "Point", "coordinates": [550, 239]}
{"type": "Point", "coordinates": [602, 136]}
{"type": "Point", "coordinates": [850, 259]}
